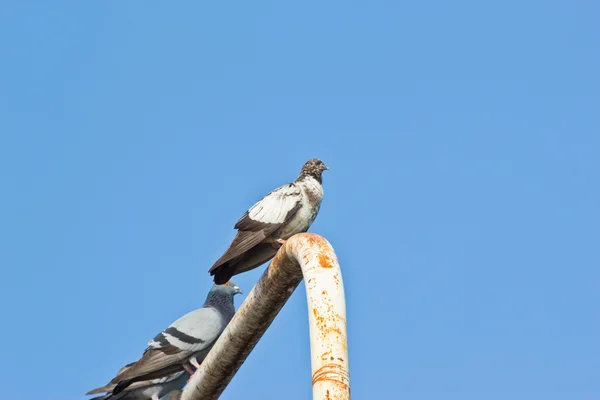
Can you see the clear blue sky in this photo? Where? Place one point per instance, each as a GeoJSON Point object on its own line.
{"type": "Point", "coordinates": [463, 199]}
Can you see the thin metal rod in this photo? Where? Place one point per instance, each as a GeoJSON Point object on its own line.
{"type": "Point", "coordinates": [308, 255]}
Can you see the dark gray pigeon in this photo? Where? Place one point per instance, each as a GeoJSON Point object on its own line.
{"type": "Point", "coordinates": [182, 345]}
{"type": "Point", "coordinates": [143, 390]}
{"type": "Point", "coordinates": [286, 211]}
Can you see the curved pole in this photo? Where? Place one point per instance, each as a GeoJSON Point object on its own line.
{"type": "Point", "coordinates": [308, 255]}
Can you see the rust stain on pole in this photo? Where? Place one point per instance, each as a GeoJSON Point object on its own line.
{"type": "Point", "coordinates": [308, 255]}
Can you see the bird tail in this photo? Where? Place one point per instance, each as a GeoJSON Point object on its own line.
{"type": "Point", "coordinates": [96, 391]}
{"type": "Point", "coordinates": [251, 259]}
{"type": "Point", "coordinates": [112, 396]}
{"type": "Point", "coordinates": [222, 274]}
{"type": "Point", "coordinates": [123, 385]}
{"type": "Point", "coordinates": [105, 397]}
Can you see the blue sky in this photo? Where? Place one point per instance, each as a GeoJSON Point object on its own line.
{"type": "Point", "coordinates": [463, 201]}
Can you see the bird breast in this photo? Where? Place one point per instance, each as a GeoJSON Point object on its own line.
{"type": "Point", "coordinates": [312, 195]}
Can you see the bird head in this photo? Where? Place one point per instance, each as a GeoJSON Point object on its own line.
{"type": "Point", "coordinates": [230, 287]}
{"type": "Point", "coordinates": [314, 168]}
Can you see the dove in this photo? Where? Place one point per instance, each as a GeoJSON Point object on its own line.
{"type": "Point", "coordinates": [181, 346]}
{"type": "Point", "coordinates": [284, 212]}
{"type": "Point", "coordinates": [151, 389]}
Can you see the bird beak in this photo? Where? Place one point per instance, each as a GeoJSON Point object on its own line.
{"type": "Point", "coordinates": [237, 289]}
{"type": "Point", "coordinates": [325, 167]}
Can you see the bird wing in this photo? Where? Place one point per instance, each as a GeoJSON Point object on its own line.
{"type": "Point", "coordinates": [140, 384]}
{"type": "Point", "coordinates": [110, 386]}
{"type": "Point", "coordinates": [190, 334]}
{"type": "Point", "coordinates": [261, 220]}
{"type": "Point", "coordinates": [157, 381]}
{"type": "Point", "coordinates": [274, 209]}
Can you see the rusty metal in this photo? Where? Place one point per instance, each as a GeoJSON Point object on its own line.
{"type": "Point", "coordinates": [308, 255]}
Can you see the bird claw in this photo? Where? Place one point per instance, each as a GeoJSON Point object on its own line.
{"type": "Point", "coordinates": [278, 243]}
{"type": "Point", "coordinates": [191, 376]}
{"type": "Point", "coordinates": [189, 370]}
{"type": "Point", "coordinates": [194, 362]}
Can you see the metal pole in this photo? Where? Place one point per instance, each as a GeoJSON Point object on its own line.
{"type": "Point", "coordinates": [305, 254]}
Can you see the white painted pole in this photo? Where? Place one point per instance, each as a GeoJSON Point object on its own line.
{"type": "Point", "coordinates": [308, 255]}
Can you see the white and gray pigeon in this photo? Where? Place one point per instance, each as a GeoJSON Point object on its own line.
{"type": "Point", "coordinates": [286, 211]}
{"type": "Point", "coordinates": [152, 389]}
{"type": "Point", "coordinates": [184, 344]}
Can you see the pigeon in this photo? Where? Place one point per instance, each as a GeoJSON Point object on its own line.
{"type": "Point", "coordinates": [286, 211]}
{"type": "Point", "coordinates": [151, 389]}
{"type": "Point", "coordinates": [181, 346]}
